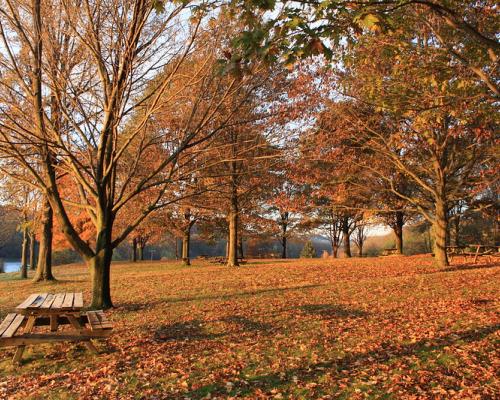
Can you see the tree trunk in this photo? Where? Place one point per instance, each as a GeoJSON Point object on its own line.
{"type": "Point", "coordinates": [440, 227]}
{"type": "Point", "coordinates": [232, 258]}
{"type": "Point", "coordinates": [240, 246]}
{"type": "Point", "coordinates": [134, 250]}
{"type": "Point", "coordinates": [141, 252]}
{"type": "Point", "coordinates": [186, 242]}
{"type": "Point", "coordinates": [456, 230]}
{"type": "Point", "coordinates": [283, 247]}
{"type": "Point", "coordinates": [398, 231]}
{"type": "Point", "coordinates": [347, 237]}
{"type": "Point", "coordinates": [44, 263]}
{"type": "Point", "coordinates": [100, 263]}
{"type": "Point", "coordinates": [176, 248]}
{"type": "Point", "coordinates": [360, 249]}
{"type": "Point", "coordinates": [32, 251]}
{"type": "Point", "coordinates": [335, 250]}
{"type": "Point", "coordinates": [100, 266]}
{"type": "Point", "coordinates": [24, 254]}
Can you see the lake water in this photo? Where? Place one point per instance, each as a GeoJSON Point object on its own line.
{"type": "Point", "coordinates": [11, 266]}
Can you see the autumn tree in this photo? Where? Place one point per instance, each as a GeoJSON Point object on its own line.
{"type": "Point", "coordinates": [115, 56]}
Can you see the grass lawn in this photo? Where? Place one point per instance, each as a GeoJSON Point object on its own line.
{"type": "Point", "coordinates": [381, 328]}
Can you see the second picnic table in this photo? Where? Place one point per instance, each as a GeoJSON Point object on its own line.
{"type": "Point", "coordinates": [56, 309]}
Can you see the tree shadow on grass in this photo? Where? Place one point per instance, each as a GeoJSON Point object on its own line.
{"type": "Point", "coordinates": [351, 362]}
{"type": "Point", "coordinates": [190, 330]}
{"type": "Point", "coordinates": [331, 311]}
{"type": "Point", "coordinates": [465, 267]}
{"type": "Point", "coordinates": [149, 304]}
{"type": "Point", "coordinates": [200, 330]}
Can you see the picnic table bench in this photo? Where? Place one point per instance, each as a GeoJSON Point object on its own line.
{"type": "Point", "coordinates": [473, 251]}
{"type": "Point", "coordinates": [390, 252]}
{"type": "Point", "coordinates": [52, 311]}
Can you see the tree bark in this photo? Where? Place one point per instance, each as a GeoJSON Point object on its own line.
{"type": "Point", "coordinates": [360, 249]}
{"type": "Point", "coordinates": [32, 251]}
{"type": "Point", "coordinates": [440, 227]}
{"type": "Point", "coordinates": [456, 230]}
{"type": "Point", "coordinates": [232, 258]}
{"type": "Point", "coordinates": [283, 247]}
{"type": "Point", "coordinates": [186, 243]}
{"type": "Point", "coordinates": [240, 246]}
{"type": "Point", "coordinates": [284, 228]}
{"type": "Point", "coordinates": [398, 231]}
{"type": "Point", "coordinates": [44, 263]}
{"type": "Point", "coordinates": [100, 266]}
{"type": "Point", "coordinates": [24, 254]}
{"type": "Point", "coordinates": [134, 250]}
{"type": "Point", "coordinates": [100, 263]}
{"type": "Point", "coordinates": [141, 252]}
{"type": "Point", "coordinates": [347, 238]}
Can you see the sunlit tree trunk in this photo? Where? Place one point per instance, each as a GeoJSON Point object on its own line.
{"type": "Point", "coordinates": [440, 227]}
{"type": "Point", "coordinates": [44, 264]}
{"type": "Point", "coordinates": [24, 254]}
{"type": "Point", "coordinates": [32, 250]}
{"type": "Point", "coordinates": [398, 231]}
{"type": "Point", "coordinates": [232, 256]}
{"type": "Point", "coordinates": [347, 237]}
{"type": "Point", "coordinates": [186, 243]}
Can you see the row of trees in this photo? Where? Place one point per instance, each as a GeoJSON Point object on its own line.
{"type": "Point", "coordinates": [126, 119]}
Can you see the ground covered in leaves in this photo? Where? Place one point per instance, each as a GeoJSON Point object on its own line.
{"type": "Point", "coordinates": [392, 328]}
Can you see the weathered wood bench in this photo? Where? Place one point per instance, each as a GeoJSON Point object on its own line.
{"type": "Point", "coordinates": [52, 311]}
{"type": "Point", "coordinates": [390, 252]}
{"type": "Point", "coordinates": [16, 330]}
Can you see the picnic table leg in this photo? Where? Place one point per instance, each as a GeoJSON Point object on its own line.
{"type": "Point", "coordinates": [477, 254]}
{"type": "Point", "coordinates": [53, 323]}
{"type": "Point", "coordinates": [20, 349]}
{"type": "Point", "coordinates": [74, 322]}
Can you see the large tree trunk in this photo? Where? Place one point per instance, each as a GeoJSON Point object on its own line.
{"type": "Point", "coordinates": [100, 266]}
{"type": "Point", "coordinates": [347, 237]}
{"type": "Point", "coordinates": [100, 263]}
{"type": "Point", "coordinates": [44, 263]}
{"type": "Point", "coordinates": [398, 231]}
{"type": "Point", "coordinates": [24, 254]}
{"type": "Point", "coordinates": [232, 256]}
{"type": "Point", "coordinates": [335, 250]}
{"type": "Point", "coordinates": [32, 251]}
{"type": "Point", "coordinates": [440, 228]}
{"type": "Point", "coordinates": [141, 252]}
{"type": "Point", "coordinates": [186, 243]}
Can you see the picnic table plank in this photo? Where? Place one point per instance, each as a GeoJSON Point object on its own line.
{"type": "Point", "coordinates": [11, 330]}
{"type": "Point", "coordinates": [6, 322]}
{"type": "Point", "coordinates": [78, 301]}
{"type": "Point", "coordinates": [48, 301]}
{"type": "Point", "coordinates": [59, 298]}
{"type": "Point", "coordinates": [38, 301]}
{"type": "Point", "coordinates": [68, 300]}
{"type": "Point", "coordinates": [105, 323]}
{"type": "Point", "coordinates": [26, 303]}
{"type": "Point", "coordinates": [94, 321]}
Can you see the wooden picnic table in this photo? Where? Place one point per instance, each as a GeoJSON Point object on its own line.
{"type": "Point", "coordinates": [54, 310]}
{"type": "Point", "coordinates": [473, 250]}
